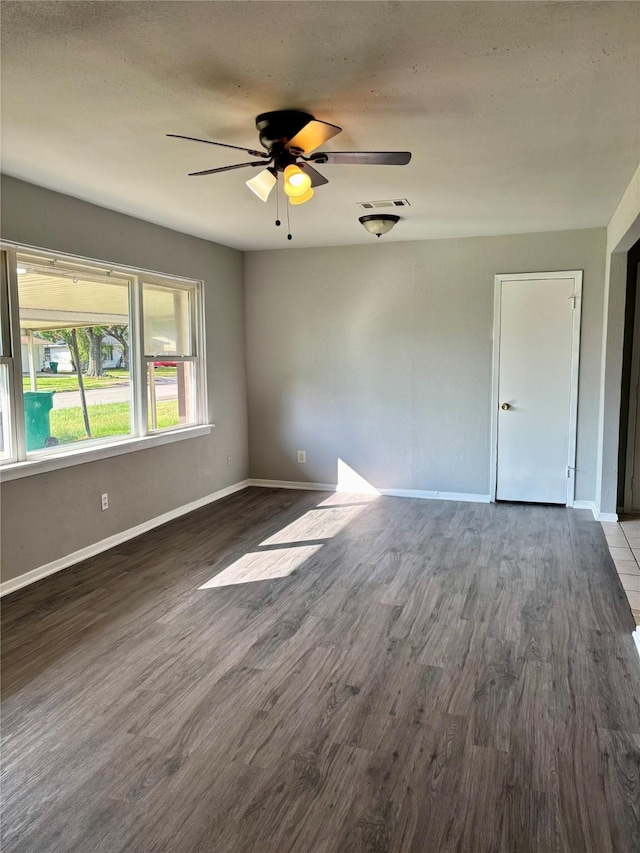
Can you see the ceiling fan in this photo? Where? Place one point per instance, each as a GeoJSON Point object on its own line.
{"type": "Point", "coordinates": [290, 137]}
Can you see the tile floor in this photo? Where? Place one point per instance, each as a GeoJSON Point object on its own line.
{"type": "Point", "coordinates": [623, 539]}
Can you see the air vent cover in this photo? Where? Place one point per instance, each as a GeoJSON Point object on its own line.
{"type": "Point", "coordinates": [390, 202]}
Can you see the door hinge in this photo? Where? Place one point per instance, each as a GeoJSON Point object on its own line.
{"type": "Point", "coordinates": [569, 470]}
{"type": "Point", "coordinates": [573, 301]}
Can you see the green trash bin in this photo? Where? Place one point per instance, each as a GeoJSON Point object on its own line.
{"type": "Point", "coordinates": [37, 405]}
{"type": "Point", "coordinates": [54, 366]}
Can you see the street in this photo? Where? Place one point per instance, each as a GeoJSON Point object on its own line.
{"type": "Point", "coordinates": [166, 389]}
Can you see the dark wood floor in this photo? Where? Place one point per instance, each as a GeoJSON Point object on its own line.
{"type": "Point", "coordinates": [360, 675]}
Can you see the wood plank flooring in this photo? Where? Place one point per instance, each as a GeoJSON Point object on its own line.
{"type": "Point", "coordinates": [314, 673]}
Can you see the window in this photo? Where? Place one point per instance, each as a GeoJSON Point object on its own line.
{"type": "Point", "coordinates": [6, 365]}
{"type": "Point", "coordinates": [169, 356]}
{"type": "Point", "coordinates": [92, 356]}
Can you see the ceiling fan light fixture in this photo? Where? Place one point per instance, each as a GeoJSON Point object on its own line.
{"type": "Point", "coordinates": [262, 184]}
{"type": "Point", "coordinates": [379, 223]}
{"type": "Point", "coordinates": [300, 199]}
{"type": "Point", "coordinates": [291, 138]}
{"type": "Point", "coordinates": [296, 182]}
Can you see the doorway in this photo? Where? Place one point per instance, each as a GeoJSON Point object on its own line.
{"type": "Point", "coordinates": [629, 443]}
{"type": "Point", "coordinates": [535, 386]}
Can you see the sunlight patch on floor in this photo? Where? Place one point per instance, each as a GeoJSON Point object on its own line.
{"type": "Point", "coordinates": [331, 515]}
{"type": "Point", "coordinates": [314, 525]}
{"type": "Point", "coordinates": [315, 528]}
{"type": "Point", "coordinates": [262, 566]}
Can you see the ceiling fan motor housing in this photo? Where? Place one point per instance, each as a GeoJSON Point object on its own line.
{"type": "Point", "coordinates": [277, 128]}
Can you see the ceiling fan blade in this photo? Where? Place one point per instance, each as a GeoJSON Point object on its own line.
{"type": "Point", "coordinates": [222, 145]}
{"type": "Point", "coordinates": [363, 158]}
{"type": "Point", "coordinates": [314, 133]}
{"type": "Point", "coordinates": [226, 168]}
{"type": "Point", "coordinates": [317, 180]}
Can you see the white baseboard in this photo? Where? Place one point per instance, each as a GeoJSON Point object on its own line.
{"type": "Point", "coordinates": [395, 493]}
{"type": "Point", "coordinates": [117, 539]}
{"type": "Point", "coordinates": [606, 516]}
{"type": "Point", "coordinates": [51, 568]}
{"type": "Point", "coordinates": [436, 496]}
{"type": "Point", "coordinates": [290, 484]}
{"type": "Point", "coordinates": [592, 505]}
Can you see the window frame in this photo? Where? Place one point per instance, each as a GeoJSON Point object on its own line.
{"type": "Point", "coordinates": [19, 464]}
{"type": "Point", "coordinates": [6, 359]}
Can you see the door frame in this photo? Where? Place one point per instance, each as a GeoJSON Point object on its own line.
{"type": "Point", "coordinates": [576, 276]}
{"type": "Point", "coordinates": [633, 399]}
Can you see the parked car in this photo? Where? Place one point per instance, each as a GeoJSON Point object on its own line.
{"type": "Point", "coordinates": [165, 364]}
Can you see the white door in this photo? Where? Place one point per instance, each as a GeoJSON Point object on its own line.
{"type": "Point", "coordinates": [537, 387]}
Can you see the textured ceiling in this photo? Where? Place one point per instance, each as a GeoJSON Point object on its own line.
{"type": "Point", "coordinates": [521, 116]}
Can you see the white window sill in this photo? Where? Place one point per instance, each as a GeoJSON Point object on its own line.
{"type": "Point", "coordinates": [54, 461]}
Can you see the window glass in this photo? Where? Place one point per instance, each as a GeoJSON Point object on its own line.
{"type": "Point", "coordinates": [5, 412]}
{"type": "Point", "coordinates": [74, 335]}
{"type": "Point", "coordinates": [171, 397]}
{"type": "Point", "coordinates": [5, 348]}
{"type": "Point", "coordinates": [167, 321]}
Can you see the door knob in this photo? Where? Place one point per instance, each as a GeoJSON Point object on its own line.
{"type": "Point", "coordinates": [505, 407]}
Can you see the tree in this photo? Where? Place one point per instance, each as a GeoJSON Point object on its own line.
{"type": "Point", "coordinates": [53, 337]}
{"type": "Point", "coordinates": [95, 335]}
{"type": "Point", "coordinates": [121, 334]}
{"type": "Point", "coordinates": [83, 396]}
{"type": "Point", "coordinates": [60, 336]}
{"type": "Point", "coordinates": [72, 338]}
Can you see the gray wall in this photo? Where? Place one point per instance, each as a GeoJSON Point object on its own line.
{"type": "Point", "coordinates": [47, 516]}
{"type": "Point", "coordinates": [613, 343]}
{"type": "Point", "coordinates": [380, 356]}
{"type": "Point", "coordinates": [623, 231]}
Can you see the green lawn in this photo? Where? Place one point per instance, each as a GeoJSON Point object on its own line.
{"type": "Point", "coordinates": [69, 381]}
{"type": "Point", "coordinates": [105, 419]}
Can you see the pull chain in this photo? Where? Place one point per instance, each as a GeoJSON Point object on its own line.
{"type": "Point", "coordinates": [289, 237]}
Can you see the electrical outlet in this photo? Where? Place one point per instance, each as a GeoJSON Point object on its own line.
{"type": "Point", "coordinates": [302, 457]}
{"type": "Point", "coordinates": [228, 462]}
{"type": "Point", "coordinates": [104, 501]}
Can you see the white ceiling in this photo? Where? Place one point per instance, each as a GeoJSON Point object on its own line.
{"type": "Point", "coordinates": [521, 116]}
